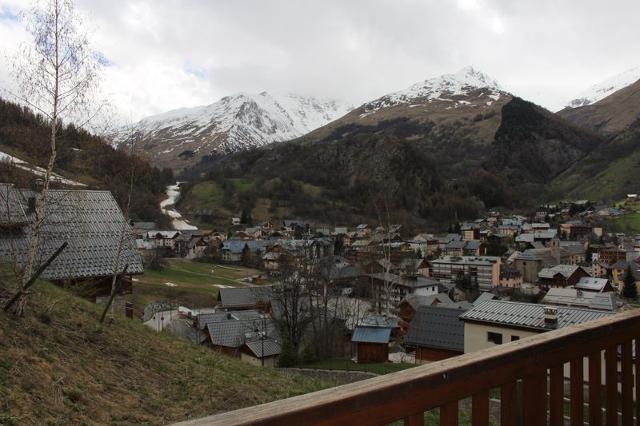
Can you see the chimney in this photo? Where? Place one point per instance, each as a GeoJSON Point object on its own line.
{"type": "Point", "coordinates": [550, 316]}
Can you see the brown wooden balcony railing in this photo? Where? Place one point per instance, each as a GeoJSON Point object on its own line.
{"type": "Point", "coordinates": [530, 373]}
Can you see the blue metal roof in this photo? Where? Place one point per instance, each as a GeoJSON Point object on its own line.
{"type": "Point", "coordinates": [371, 335]}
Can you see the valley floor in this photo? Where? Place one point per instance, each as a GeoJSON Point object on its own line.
{"type": "Point", "coordinates": [188, 282]}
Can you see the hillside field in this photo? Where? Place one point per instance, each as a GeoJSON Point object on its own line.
{"type": "Point", "coordinates": [58, 367]}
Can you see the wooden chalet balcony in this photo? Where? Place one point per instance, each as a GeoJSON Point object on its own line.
{"type": "Point", "coordinates": [528, 377]}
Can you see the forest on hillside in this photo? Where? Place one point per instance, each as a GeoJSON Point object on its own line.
{"type": "Point", "coordinates": [84, 157]}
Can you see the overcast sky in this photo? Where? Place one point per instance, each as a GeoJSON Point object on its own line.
{"type": "Point", "coordinates": [166, 54]}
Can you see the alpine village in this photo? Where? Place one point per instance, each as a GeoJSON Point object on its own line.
{"type": "Point", "coordinates": [450, 253]}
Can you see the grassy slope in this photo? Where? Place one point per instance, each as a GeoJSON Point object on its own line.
{"type": "Point", "coordinates": [56, 367]}
{"type": "Point", "coordinates": [193, 283]}
{"type": "Point", "coordinates": [208, 195]}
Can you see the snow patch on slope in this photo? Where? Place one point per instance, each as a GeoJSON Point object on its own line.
{"type": "Point", "coordinates": [438, 88]}
{"type": "Point", "coordinates": [602, 90]}
{"type": "Point", "coordinates": [38, 171]}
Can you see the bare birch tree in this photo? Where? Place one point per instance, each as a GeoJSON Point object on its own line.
{"type": "Point", "coordinates": [56, 75]}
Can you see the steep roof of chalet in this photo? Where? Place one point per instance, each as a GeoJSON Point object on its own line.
{"type": "Point", "coordinates": [91, 222]}
{"type": "Point", "coordinates": [264, 348]}
{"type": "Point", "coordinates": [437, 327]}
{"type": "Point", "coordinates": [564, 270]}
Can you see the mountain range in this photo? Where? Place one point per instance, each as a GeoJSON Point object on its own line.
{"type": "Point", "coordinates": [180, 138]}
{"type": "Point", "coordinates": [444, 148]}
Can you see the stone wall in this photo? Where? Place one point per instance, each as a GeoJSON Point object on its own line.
{"type": "Point", "coordinates": [335, 377]}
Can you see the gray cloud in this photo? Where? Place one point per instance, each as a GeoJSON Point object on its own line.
{"type": "Point", "coordinates": [167, 54]}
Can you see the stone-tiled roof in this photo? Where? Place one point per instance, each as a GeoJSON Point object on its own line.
{"type": "Point", "coordinates": [437, 327]}
{"type": "Point", "coordinates": [91, 222]}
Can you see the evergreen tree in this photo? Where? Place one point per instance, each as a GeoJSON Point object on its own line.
{"type": "Point", "coordinates": [629, 291]}
{"type": "Point", "coordinates": [245, 258]}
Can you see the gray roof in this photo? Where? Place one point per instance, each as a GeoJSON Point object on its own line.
{"type": "Point", "coordinates": [233, 329]}
{"type": "Point", "coordinates": [371, 334]}
{"type": "Point", "coordinates": [241, 297]}
{"type": "Point", "coordinates": [236, 246]}
{"type": "Point", "coordinates": [91, 222]}
{"type": "Point", "coordinates": [416, 300]}
{"type": "Point", "coordinates": [564, 270]}
{"type": "Point", "coordinates": [418, 282]}
{"type": "Point", "coordinates": [585, 299]}
{"type": "Point", "coordinates": [591, 284]}
{"type": "Point", "coordinates": [484, 296]}
{"type": "Point", "coordinates": [437, 327]}
{"type": "Point", "coordinates": [527, 315]}
{"type": "Point", "coordinates": [375, 320]}
{"type": "Point", "coordinates": [271, 347]}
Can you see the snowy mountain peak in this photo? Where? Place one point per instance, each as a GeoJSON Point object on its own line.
{"type": "Point", "coordinates": [441, 88]}
{"type": "Point", "coordinates": [602, 90]}
{"type": "Point", "coordinates": [235, 122]}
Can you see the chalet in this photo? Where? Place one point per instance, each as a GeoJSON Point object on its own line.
{"type": "Point", "coordinates": [496, 322]}
{"type": "Point", "coordinates": [470, 232]}
{"type": "Point", "coordinates": [89, 221]}
{"type": "Point", "coordinates": [232, 249]}
{"type": "Point", "coordinates": [426, 244]}
{"type": "Point", "coordinates": [163, 239]}
{"type": "Point", "coordinates": [582, 299]}
{"type": "Point", "coordinates": [229, 332]}
{"type": "Point", "coordinates": [372, 343]}
{"type": "Point", "coordinates": [140, 229]}
{"type": "Point", "coordinates": [410, 304]}
{"type": "Point", "coordinates": [261, 351]}
{"type": "Point", "coordinates": [436, 333]}
{"type": "Point", "coordinates": [561, 276]}
{"type": "Point", "coordinates": [419, 266]}
{"type": "Point", "coordinates": [402, 286]}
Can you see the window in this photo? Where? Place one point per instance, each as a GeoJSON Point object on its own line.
{"type": "Point", "coordinates": [514, 338]}
{"type": "Point", "coordinates": [494, 338]}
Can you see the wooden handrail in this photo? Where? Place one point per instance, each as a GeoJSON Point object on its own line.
{"type": "Point", "coordinates": [409, 393]}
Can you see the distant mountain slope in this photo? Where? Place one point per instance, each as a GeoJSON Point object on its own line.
{"type": "Point", "coordinates": [602, 90]}
{"type": "Point", "coordinates": [179, 138]}
{"type": "Point", "coordinates": [612, 169]}
{"type": "Point", "coordinates": [440, 150]}
{"type": "Point", "coordinates": [612, 114]}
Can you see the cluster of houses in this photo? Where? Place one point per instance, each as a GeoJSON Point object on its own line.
{"type": "Point", "coordinates": [434, 296]}
{"type": "Point", "coordinates": [423, 289]}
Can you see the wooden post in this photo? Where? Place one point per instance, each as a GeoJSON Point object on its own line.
{"type": "Point", "coordinates": [577, 392]}
{"type": "Point", "coordinates": [34, 277]}
{"type": "Point", "coordinates": [595, 387]}
{"type": "Point", "coordinates": [113, 294]}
